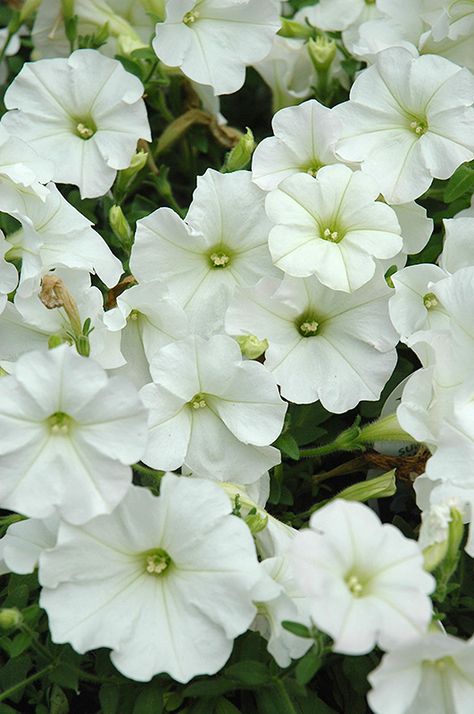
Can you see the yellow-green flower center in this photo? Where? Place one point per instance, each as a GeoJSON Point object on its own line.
{"type": "Point", "coordinates": [191, 17]}
{"type": "Point", "coordinates": [219, 259]}
{"type": "Point", "coordinates": [157, 561]}
{"type": "Point", "coordinates": [418, 126]}
{"type": "Point", "coordinates": [59, 423]}
{"type": "Point", "coordinates": [355, 585]}
{"type": "Point", "coordinates": [198, 402]}
{"type": "Point", "coordinates": [332, 235]}
{"type": "Point", "coordinates": [430, 300]}
{"type": "Point", "coordinates": [85, 129]}
{"type": "Point", "coordinates": [308, 325]}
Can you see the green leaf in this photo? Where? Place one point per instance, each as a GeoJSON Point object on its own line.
{"type": "Point", "coordinates": [149, 701]}
{"type": "Point", "coordinates": [204, 706]}
{"type": "Point", "coordinates": [19, 644]}
{"type": "Point", "coordinates": [461, 182]}
{"type": "Point", "coordinates": [307, 667]}
{"type": "Point", "coordinates": [296, 628]}
{"type": "Point", "coordinates": [210, 688]}
{"type": "Point", "coordinates": [250, 673]}
{"type": "Point", "coordinates": [173, 701]}
{"type": "Point", "coordinates": [288, 445]}
{"type": "Point", "coordinates": [109, 696]}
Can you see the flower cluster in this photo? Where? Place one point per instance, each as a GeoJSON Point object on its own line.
{"type": "Point", "coordinates": [157, 364]}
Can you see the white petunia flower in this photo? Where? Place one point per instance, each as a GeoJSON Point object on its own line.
{"type": "Point", "coordinates": [449, 18]}
{"type": "Point", "coordinates": [86, 108]}
{"type": "Point", "coordinates": [212, 42]}
{"type": "Point", "coordinates": [341, 14]}
{"type": "Point", "coordinates": [54, 233]}
{"type": "Point", "coordinates": [288, 71]}
{"type": "Point", "coordinates": [331, 226]}
{"type": "Point", "coordinates": [409, 120]}
{"type": "Point", "coordinates": [67, 436]}
{"type": "Point", "coordinates": [212, 411]}
{"type": "Point", "coordinates": [145, 320]}
{"type": "Point", "coordinates": [286, 603]}
{"type": "Point", "coordinates": [165, 582]}
{"type": "Point", "coordinates": [458, 246]}
{"type": "Point", "coordinates": [8, 274]}
{"type": "Point", "coordinates": [28, 324]}
{"type": "Point", "coordinates": [433, 673]}
{"type": "Point", "coordinates": [323, 344]}
{"type": "Point", "coordinates": [364, 579]}
{"type": "Point", "coordinates": [222, 244]}
{"type": "Point", "coordinates": [21, 170]}
{"type": "Point", "coordinates": [414, 307]}
{"type": "Point", "coordinates": [23, 543]}
{"type": "Point", "coordinates": [304, 140]}
{"type": "Point", "coordinates": [129, 24]}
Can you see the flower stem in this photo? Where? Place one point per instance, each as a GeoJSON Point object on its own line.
{"type": "Point", "coordinates": [290, 709]}
{"type": "Point", "coordinates": [19, 685]}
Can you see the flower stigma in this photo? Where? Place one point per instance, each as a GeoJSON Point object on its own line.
{"type": "Point", "coordinates": [157, 561]}
{"type": "Point", "coordinates": [330, 235]}
{"type": "Point", "coordinates": [59, 423]}
{"type": "Point", "coordinates": [191, 17]}
{"type": "Point", "coordinates": [430, 300]}
{"type": "Point", "coordinates": [219, 260]}
{"type": "Point", "coordinates": [198, 402]}
{"type": "Point", "coordinates": [308, 326]}
{"type": "Point", "coordinates": [419, 126]}
{"type": "Point", "coordinates": [84, 131]}
{"type": "Point", "coordinates": [355, 586]}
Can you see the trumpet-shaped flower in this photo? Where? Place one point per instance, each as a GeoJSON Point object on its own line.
{"type": "Point", "coordinates": [323, 344]}
{"type": "Point", "coordinates": [53, 233]}
{"type": "Point", "coordinates": [21, 170]}
{"type": "Point", "coordinates": [213, 42]}
{"type": "Point", "coordinates": [212, 411]}
{"type": "Point", "coordinates": [67, 436]}
{"type": "Point", "coordinates": [409, 120]}
{"type": "Point", "coordinates": [222, 244]}
{"type": "Point", "coordinates": [433, 673]}
{"type": "Point", "coordinates": [8, 274]}
{"type": "Point", "coordinates": [303, 141]}
{"type": "Point", "coordinates": [364, 579]}
{"type": "Point", "coordinates": [86, 108]}
{"type": "Point", "coordinates": [331, 226]}
{"type": "Point", "coordinates": [165, 582]}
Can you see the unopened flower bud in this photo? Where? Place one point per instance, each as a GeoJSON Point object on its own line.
{"type": "Point", "coordinates": [10, 617]}
{"type": "Point", "coordinates": [251, 347]}
{"type": "Point", "coordinates": [290, 28]}
{"type": "Point", "coordinates": [256, 521]}
{"type": "Point", "coordinates": [126, 44]}
{"type": "Point", "coordinates": [322, 52]}
{"type": "Point", "coordinates": [29, 7]}
{"type": "Point", "coordinates": [241, 154]}
{"type": "Point", "coordinates": [126, 176]}
{"type": "Point", "coordinates": [120, 226]}
{"type": "Point", "coordinates": [68, 9]}
{"type": "Point", "coordinates": [382, 486]}
{"type": "Point", "coordinates": [434, 555]}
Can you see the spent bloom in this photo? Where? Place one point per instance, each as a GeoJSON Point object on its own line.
{"type": "Point", "coordinates": [212, 42]}
{"type": "Point", "coordinates": [409, 120]}
{"type": "Point", "coordinates": [85, 107]}
{"type": "Point", "coordinates": [164, 582]}
{"type": "Point", "coordinates": [67, 436]}
{"type": "Point", "coordinates": [364, 579]}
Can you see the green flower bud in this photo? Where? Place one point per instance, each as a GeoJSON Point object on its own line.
{"type": "Point", "coordinates": [68, 9]}
{"type": "Point", "coordinates": [256, 521]}
{"type": "Point", "coordinates": [126, 176]}
{"type": "Point", "coordinates": [241, 154]}
{"type": "Point", "coordinates": [434, 555]}
{"type": "Point", "coordinates": [322, 52]}
{"type": "Point", "coordinates": [251, 347]}
{"type": "Point", "coordinates": [29, 7]}
{"type": "Point", "coordinates": [10, 617]}
{"type": "Point", "coordinates": [384, 429]}
{"type": "Point", "coordinates": [120, 226]}
{"type": "Point", "coordinates": [290, 28]}
{"type": "Point", "coordinates": [382, 486]}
